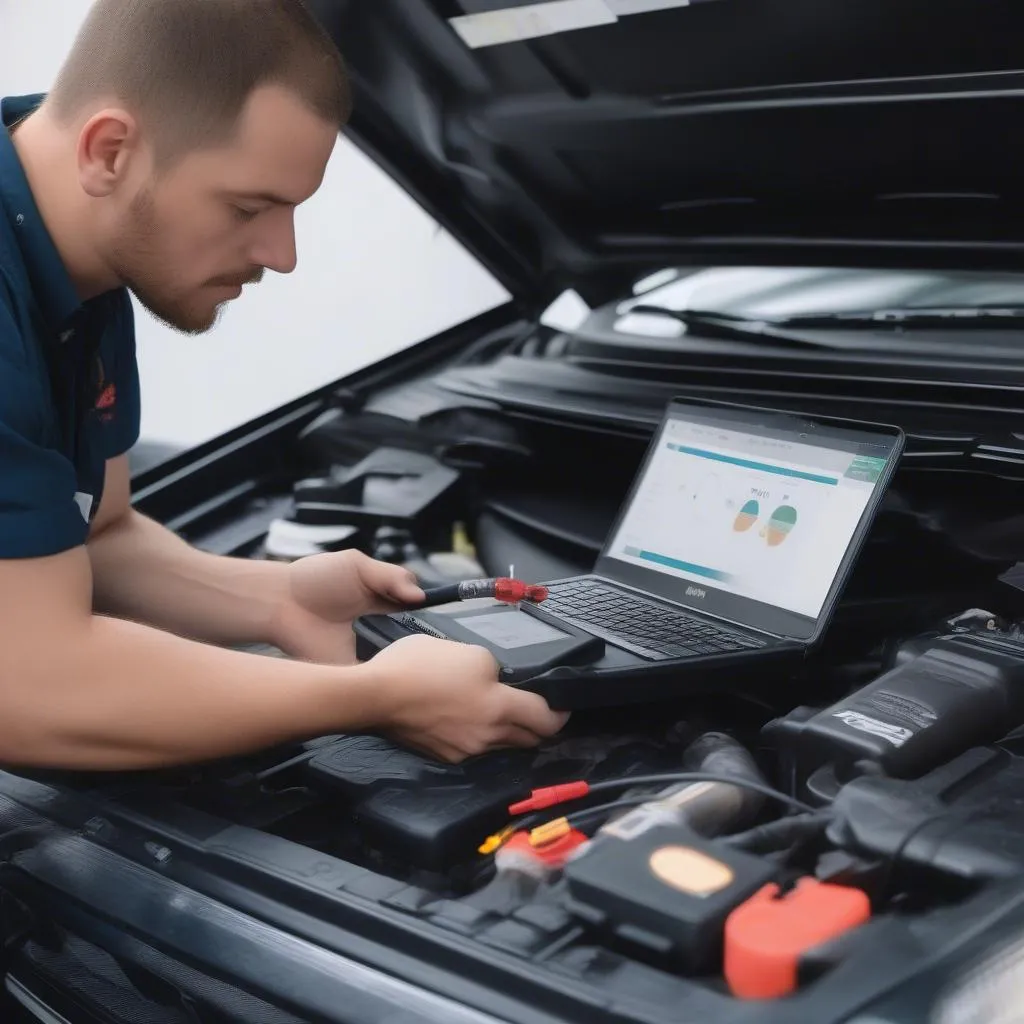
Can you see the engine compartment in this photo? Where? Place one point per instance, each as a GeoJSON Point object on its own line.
{"type": "Point", "coordinates": [865, 814]}
{"type": "Point", "coordinates": [577, 883]}
{"type": "Point", "coordinates": [358, 832]}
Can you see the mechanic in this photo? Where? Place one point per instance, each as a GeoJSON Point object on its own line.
{"type": "Point", "coordinates": [167, 162]}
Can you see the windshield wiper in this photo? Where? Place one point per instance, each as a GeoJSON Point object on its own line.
{"type": "Point", "coordinates": [728, 325]}
{"type": "Point", "coordinates": [937, 318]}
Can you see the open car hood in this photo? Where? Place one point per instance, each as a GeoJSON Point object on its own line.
{"type": "Point", "coordinates": [817, 131]}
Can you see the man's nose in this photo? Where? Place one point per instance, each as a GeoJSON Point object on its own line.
{"type": "Point", "coordinates": [276, 249]}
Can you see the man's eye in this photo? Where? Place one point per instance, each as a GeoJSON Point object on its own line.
{"type": "Point", "coordinates": [244, 213]}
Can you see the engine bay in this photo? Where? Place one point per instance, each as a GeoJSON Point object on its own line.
{"type": "Point", "coordinates": [818, 837]}
{"type": "Point", "coordinates": [746, 852]}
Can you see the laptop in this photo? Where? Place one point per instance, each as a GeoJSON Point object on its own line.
{"type": "Point", "coordinates": [737, 537]}
{"type": "Point", "coordinates": [724, 566]}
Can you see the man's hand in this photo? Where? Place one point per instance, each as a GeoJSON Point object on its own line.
{"type": "Point", "coordinates": [326, 593]}
{"type": "Point", "coordinates": [143, 572]}
{"type": "Point", "coordinates": [443, 698]}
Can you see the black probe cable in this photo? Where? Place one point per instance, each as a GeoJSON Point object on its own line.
{"type": "Point", "coordinates": [603, 810]}
{"type": "Point", "coordinates": [731, 780]}
{"type": "Point", "coordinates": [539, 817]}
{"type": "Point", "coordinates": [781, 833]}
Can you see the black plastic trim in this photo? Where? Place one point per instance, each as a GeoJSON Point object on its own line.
{"type": "Point", "coordinates": [260, 449]}
{"type": "Point", "coordinates": [77, 877]}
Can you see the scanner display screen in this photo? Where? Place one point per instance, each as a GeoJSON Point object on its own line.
{"type": "Point", "coordinates": [510, 630]}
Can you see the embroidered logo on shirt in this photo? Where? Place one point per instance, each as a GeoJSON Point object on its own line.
{"type": "Point", "coordinates": [106, 394]}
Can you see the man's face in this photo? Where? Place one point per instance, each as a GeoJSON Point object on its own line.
{"type": "Point", "coordinates": [190, 238]}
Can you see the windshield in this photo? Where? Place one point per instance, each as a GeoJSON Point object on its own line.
{"type": "Point", "coordinates": [779, 293]}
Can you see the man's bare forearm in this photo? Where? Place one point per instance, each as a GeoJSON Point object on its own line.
{"type": "Point", "coordinates": [80, 690]}
{"type": "Point", "coordinates": [142, 571]}
{"type": "Point", "coordinates": [116, 695]}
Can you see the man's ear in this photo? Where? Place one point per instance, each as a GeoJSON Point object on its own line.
{"type": "Point", "coordinates": [106, 145]}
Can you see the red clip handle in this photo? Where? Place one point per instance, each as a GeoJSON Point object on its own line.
{"type": "Point", "coordinates": [512, 591]}
{"type": "Point", "coordinates": [548, 796]}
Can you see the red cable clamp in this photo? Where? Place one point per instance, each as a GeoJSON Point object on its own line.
{"type": "Point", "coordinates": [511, 591]}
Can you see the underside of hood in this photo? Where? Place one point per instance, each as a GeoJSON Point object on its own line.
{"type": "Point", "coordinates": [582, 141]}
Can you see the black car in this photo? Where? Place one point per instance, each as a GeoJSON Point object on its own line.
{"type": "Point", "coordinates": [812, 206]}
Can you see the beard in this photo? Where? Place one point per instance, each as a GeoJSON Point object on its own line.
{"type": "Point", "coordinates": [148, 274]}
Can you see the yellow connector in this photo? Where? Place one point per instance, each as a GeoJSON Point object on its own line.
{"type": "Point", "coordinates": [548, 833]}
{"type": "Point", "coordinates": [461, 544]}
{"type": "Point", "coordinates": [495, 842]}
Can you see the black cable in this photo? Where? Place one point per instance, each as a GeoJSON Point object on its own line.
{"type": "Point", "coordinates": [538, 818]}
{"type": "Point", "coordinates": [275, 769]}
{"type": "Point", "coordinates": [779, 834]}
{"type": "Point", "coordinates": [729, 780]}
{"type": "Point", "coordinates": [897, 854]}
{"type": "Point", "coordinates": [603, 810]}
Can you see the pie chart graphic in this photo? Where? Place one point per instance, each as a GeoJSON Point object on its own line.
{"type": "Point", "coordinates": [746, 517]}
{"type": "Point", "coordinates": [782, 521]}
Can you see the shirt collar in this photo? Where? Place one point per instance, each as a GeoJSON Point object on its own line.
{"type": "Point", "coordinates": [51, 283]}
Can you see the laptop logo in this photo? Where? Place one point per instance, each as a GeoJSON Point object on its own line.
{"type": "Point", "coordinates": [696, 592]}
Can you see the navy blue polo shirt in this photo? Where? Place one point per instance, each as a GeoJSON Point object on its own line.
{"type": "Point", "coordinates": [69, 385]}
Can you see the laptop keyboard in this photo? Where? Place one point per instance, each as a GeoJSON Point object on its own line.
{"type": "Point", "coordinates": [644, 627]}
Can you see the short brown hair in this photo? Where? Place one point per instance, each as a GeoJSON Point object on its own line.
{"type": "Point", "coordinates": [188, 67]}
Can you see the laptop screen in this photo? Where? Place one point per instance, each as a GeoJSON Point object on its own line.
{"type": "Point", "coordinates": [765, 511]}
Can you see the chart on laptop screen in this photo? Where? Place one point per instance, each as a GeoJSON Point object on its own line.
{"type": "Point", "coordinates": [761, 517]}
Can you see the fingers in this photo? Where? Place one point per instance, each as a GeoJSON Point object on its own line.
{"type": "Point", "coordinates": [440, 751]}
{"type": "Point", "coordinates": [517, 736]}
{"type": "Point", "coordinates": [530, 711]}
{"type": "Point", "coordinates": [393, 584]}
{"type": "Point", "coordinates": [403, 588]}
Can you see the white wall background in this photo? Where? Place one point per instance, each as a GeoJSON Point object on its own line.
{"type": "Point", "coordinates": [375, 275]}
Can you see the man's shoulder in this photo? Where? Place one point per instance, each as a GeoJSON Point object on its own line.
{"type": "Point", "coordinates": [12, 277]}
{"type": "Point", "coordinates": [23, 393]}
